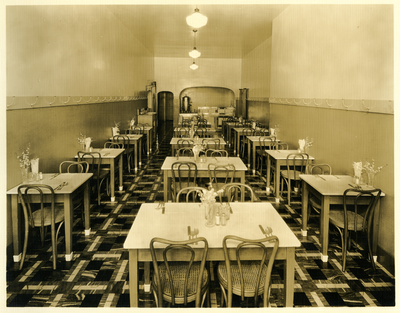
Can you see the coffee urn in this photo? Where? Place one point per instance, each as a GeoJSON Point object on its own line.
{"type": "Point", "coordinates": [185, 104]}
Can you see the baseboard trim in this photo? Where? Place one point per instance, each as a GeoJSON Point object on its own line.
{"type": "Point", "coordinates": [385, 259]}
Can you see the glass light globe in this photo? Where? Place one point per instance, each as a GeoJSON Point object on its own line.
{"type": "Point", "coordinates": [197, 19]}
{"type": "Point", "coordinates": [194, 53]}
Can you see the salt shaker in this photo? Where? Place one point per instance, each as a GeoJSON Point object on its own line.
{"type": "Point", "coordinates": [223, 219]}
{"type": "Point", "coordinates": [40, 175]}
{"type": "Point", "coordinates": [217, 217]}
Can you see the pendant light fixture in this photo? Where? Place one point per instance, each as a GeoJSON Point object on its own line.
{"type": "Point", "coordinates": [194, 66]}
{"type": "Point", "coordinates": [194, 53]}
{"type": "Point", "coordinates": [196, 20]}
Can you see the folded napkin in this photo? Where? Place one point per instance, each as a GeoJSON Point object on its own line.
{"type": "Point", "coordinates": [35, 166]}
{"type": "Point", "coordinates": [88, 141]}
{"type": "Point", "coordinates": [272, 131]}
{"type": "Point", "coordinates": [302, 143]}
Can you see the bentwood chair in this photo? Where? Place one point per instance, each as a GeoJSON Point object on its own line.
{"type": "Point", "coordinates": [243, 140]}
{"type": "Point", "coordinates": [185, 143]}
{"type": "Point", "coordinates": [180, 282]}
{"type": "Point", "coordinates": [184, 174]}
{"type": "Point", "coordinates": [244, 276]}
{"type": "Point", "coordinates": [214, 142]}
{"type": "Point", "coordinates": [216, 153]}
{"type": "Point", "coordinates": [201, 132]}
{"type": "Point", "coordinates": [181, 132]}
{"type": "Point", "coordinates": [261, 153]}
{"type": "Point", "coordinates": [234, 192]}
{"type": "Point", "coordinates": [113, 145]}
{"type": "Point", "coordinates": [139, 130]}
{"type": "Point", "coordinates": [190, 192]}
{"type": "Point", "coordinates": [42, 217]}
{"type": "Point", "coordinates": [220, 175]}
{"type": "Point", "coordinates": [186, 151]}
{"type": "Point", "coordinates": [357, 215]}
{"type": "Point", "coordinates": [99, 173]}
{"type": "Point", "coordinates": [124, 139]}
{"type": "Point", "coordinates": [296, 164]}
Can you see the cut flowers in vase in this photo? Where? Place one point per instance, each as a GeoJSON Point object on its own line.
{"type": "Point", "coordinates": [370, 167]}
{"type": "Point", "coordinates": [24, 158]}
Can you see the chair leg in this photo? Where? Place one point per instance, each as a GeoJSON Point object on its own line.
{"type": "Point", "coordinates": [25, 245]}
{"type": "Point", "coordinates": [223, 296]}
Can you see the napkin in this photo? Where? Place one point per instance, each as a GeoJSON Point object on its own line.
{"type": "Point", "coordinates": [302, 143]}
{"type": "Point", "coordinates": [88, 141]}
{"type": "Point", "coordinates": [35, 166]}
{"type": "Point", "coordinates": [272, 131]}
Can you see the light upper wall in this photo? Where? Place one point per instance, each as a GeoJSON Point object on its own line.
{"type": "Point", "coordinates": [73, 51]}
{"type": "Point", "coordinates": [333, 52]}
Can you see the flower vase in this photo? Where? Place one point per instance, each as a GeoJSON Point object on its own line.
{"type": "Point", "coordinates": [25, 174]}
{"type": "Point", "coordinates": [209, 213]}
{"type": "Point", "coordinates": [371, 177]}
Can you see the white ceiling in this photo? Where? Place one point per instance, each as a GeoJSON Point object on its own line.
{"type": "Point", "coordinates": [232, 31]}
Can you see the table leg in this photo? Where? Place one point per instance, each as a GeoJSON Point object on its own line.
{"type": "Point", "coordinates": [324, 227]}
{"type": "Point", "coordinates": [243, 181]}
{"type": "Point", "coordinates": [140, 151]}
{"type": "Point", "coordinates": [375, 230]}
{"type": "Point", "coordinates": [16, 217]}
{"type": "Point", "coordinates": [304, 210]}
{"type": "Point", "coordinates": [289, 277]}
{"type": "Point", "coordinates": [133, 278]}
{"type": "Point", "coordinates": [112, 179]}
{"type": "Point", "coordinates": [120, 169]}
{"type": "Point", "coordinates": [86, 207]}
{"type": "Point", "coordinates": [146, 277]}
{"type": "Point", "coordinates": [136, 154]}
{"type": "Point", "coordinates": [166, 186]}
{"type": "Point", "coordinates": [268, 172]}
{"type": "Point", "coordinates": [249, 142]}
{"type": "Point", "coordinates": [68, 222]}
{"type": "Point", "coordinates": [277, 179]}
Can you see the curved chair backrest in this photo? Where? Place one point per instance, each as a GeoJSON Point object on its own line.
{"type": "Point", "coordinates": [138, 130]}
{"type": "Point", "coordinates": [216, 153]}
{"type": "Point", "coordinates": [122, 138]}
{"type": "Point", "coordinates": [185, 143]}
{"type": "Point", "coordinates": [233, 191]}
{"type": "Point", "coordinates": [185, 151]}
{"type": "Point", "coordinates": [266, 142]}
{"type": "Point", "coordinates": [79, 166]}
{"type": "Point", "coordinates": [281, 146]}
{"type": "Point", "coordinates": [113, 145]}
{"type": "Point", "coordinates": [296, 162]}
{"type": "Point", "coordinates": [260, 132]}
{"type": "Point", "coordinates": [193, 191]}
{"type": "Point", "coordinates": [241, 249]}
{"type": "Point", "coordinates": [212, 142]}
{"type": "Point", "coordinates": [181, 132]}
{"type": "Point", "coordinates": [201, 132]}
{"type": "Point", "coordinates": [322, 169]}
{"type": "Point", "coordinates": [184, 174]}
{"type": "Point", "coordinates": [90, 157]}
{"type": "Point", "coordinates": [26, 200]}
{"type": "Point", "coordinates": [247, 131]}
{"type": "Point", "coordinates": [170, 245]}
{"type": "Point", "coordinates": [221, 175]}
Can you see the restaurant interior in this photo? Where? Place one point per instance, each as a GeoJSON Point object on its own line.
{"type": "Point", "coordinates": [318, 78]}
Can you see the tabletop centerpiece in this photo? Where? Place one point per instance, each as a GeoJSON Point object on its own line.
{"type": "Point", "coordinates": [197, 148]}
{"type": "Point", "coordinates": [208, 202]}
{"type": "Point", "coordinates": [371, 171]}
{"type": "Point", "coordinates": [85, 142]}
{"type": "Point", "coordinates": [131, 123]}
{"type": "Point", "coordinates": [25, 163]}
{"type": "Point", "coordinates": [305, 144]}
{"type": "Point", "coordinates": [115, 129]}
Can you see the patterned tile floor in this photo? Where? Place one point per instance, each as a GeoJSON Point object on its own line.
{"type": "Point", "coordinates": [98, 274]}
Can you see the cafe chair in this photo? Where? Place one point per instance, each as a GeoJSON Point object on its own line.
{"type": "Point", "coordinates": [216, 153]}
{"type": "Point", "coordinates": [243, 140]}
{"type": "Point", "coordinates": [316, 169]}
{"type": "Point", "coordinates": [73, 167]}
{"type": "Point", "coordinates": [296, 164]}
{"type": "Point", "coordinates": [262, 155]}
{"type": "Point", "coordinates": [357, 215]}
{"type": "Point", "coordinates": [181, 132]}
{"type": "Point", "coordinates": [126, 144]}
{"type": "Point", "coordinates": [186, 152]}
{"type": "Point", "coordinates": [185, 143]}
{"type": "Point", "coordinates": [42, 217]}
{"type": "Point", "coordinates": [190, 192]}
{"type": "Point", "coordinates": [220, 175]}
{"type": "Point", "coordinates": [184, 174]}
{"type": "Point", "coordinates": [233, 192]}
{"type": "Point", "coordinates": [213, 143]}
{"type": "Point", "coordinates": [241, 275]}
{"type": "Point", "coordinates": [139, 130]}
{"type": "Point", "coordinates": [99, 173]}
{"type": "Point", "coordinates": [184, 281]}
{"type": "Point", "coordinates": [113, 145]}
{"type": "Point", "coordinates": [201, 132]}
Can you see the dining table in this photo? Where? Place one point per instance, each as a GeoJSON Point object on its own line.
{"type": "Point", "coordinates": [229, 126]}
{"type": "Point", "coordinates": [70, 185]}
{"type": "Point", "coordinates": [202, 169]}
{"type": "Point", "coordinates": [276, 159]}
{"type": "Point", "coordinates": [329, 190]}
{"type": "Point", "coordinates": [148, 131]}
{"type": "Point", "coordinates": [135, 147]}
{"type": "Point", "coordinates": [210, 132]}
{"type": "Point", "coordinates": [113, 158]}
{"type": "Point", "coordinates": [175, 146]}
{"type": "Point", "coordinates": [172, 221]}
{"type": "Point", "coordinates": [254, 142]}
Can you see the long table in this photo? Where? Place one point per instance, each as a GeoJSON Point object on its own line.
{"type": "Point", "coordinates": [76, 184]}
{"type": "Point", "coordinates": [329, 190]}
{"type": "Point", "coordinates": [111, 157]}
{"type": "Point", "coordinates": [202, 169]}
{"type": "Point", "coordinates": [173, 225]}
{"type": "Point", "coordinates": [277, 159]}
{"type": "Point", "coordinates": [254, 142]}
{"type": "Point", "coordinates": [174, 143]}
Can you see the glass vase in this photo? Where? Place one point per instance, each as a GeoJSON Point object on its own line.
{"type": "Point", "coordinates": [371, 177]}
{"type": "Point", "coordinates": [25, 174]}
{"type": "Point", "coordinates": [209, 211]}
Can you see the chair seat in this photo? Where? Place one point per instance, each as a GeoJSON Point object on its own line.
{"type": "Point", "coordinates": [103, 173]}
{"type": "Point", "coordinates": [315, 203]}
{"type": "Point", "coordinates": [58, 211]}
{"type": "Point", "coordinates": [250, 271]}
{"type": "Point", "coordinates": [294, 175]}
{"type": "Point", "coordinates": [178, 270]}
{"type": "Point", "coordinates": [336, 217]}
